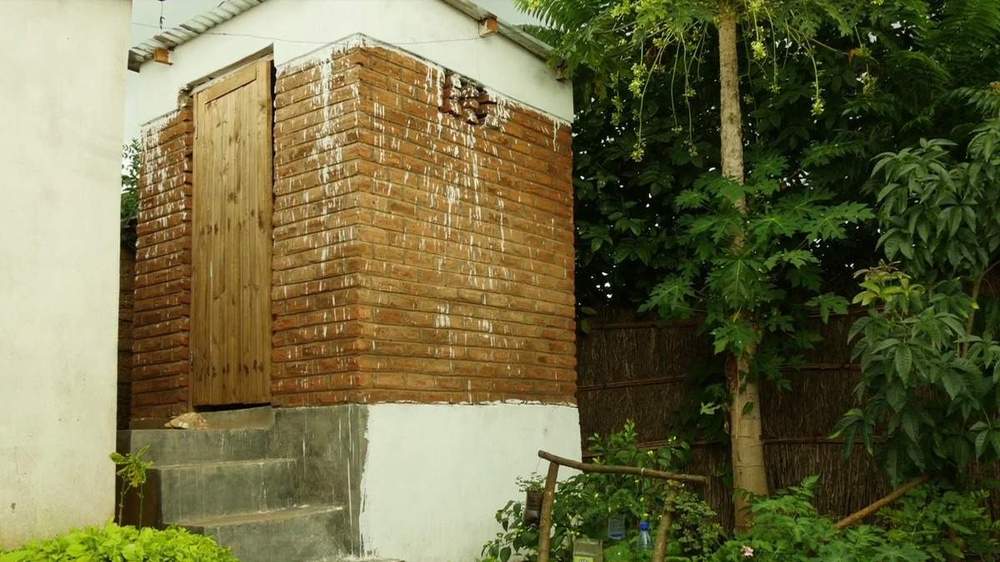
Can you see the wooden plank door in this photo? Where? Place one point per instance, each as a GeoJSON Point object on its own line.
{"type": "Point", "coordinates": [231, 245]}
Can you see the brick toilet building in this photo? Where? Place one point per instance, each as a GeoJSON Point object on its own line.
{"type": "Point", "coordinates": [355, 258]}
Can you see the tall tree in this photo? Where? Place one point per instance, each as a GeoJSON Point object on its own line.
{"type": "Point", "coordinates": [740, 250]}
{"type": "Point", "coordinates": [749, 470]}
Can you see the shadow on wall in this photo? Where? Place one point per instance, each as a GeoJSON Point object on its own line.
{"type": "Point", "coordinates": [126, 304]}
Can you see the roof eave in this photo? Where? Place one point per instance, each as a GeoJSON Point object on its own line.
{"type": "Point", "coordinates": [523, 39]}
{"type": "Point", "coordinates": [228, 9]}
{"type": "Point", "coordinates": [193, 27]}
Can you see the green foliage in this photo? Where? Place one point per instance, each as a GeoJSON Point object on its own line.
{"type": "Point", "coordinates": [787, 528]}
{"type": "Point", "coordinates": [112, 543]}
{"type": "Point", "coordinates": [931, 373]}
{"type": "Point", "coordinates": [939, 215]}
{"type": "Point", "coordinates": [584, 503]}
{"type": "Point", "coordinates": [907, 70]}
{"type": "Point", "coordinates": [741, 266]}
{"type": "Point", "coordinates": [929, 523]}
{"type": "Point", "coordinates": [656, 223]}
{"type": "Point", "coordinates": [133, 469]}
{"type": "Point", "coordinates": [946, 524]}
{"type": "Point", "coordinates": [131, 165]}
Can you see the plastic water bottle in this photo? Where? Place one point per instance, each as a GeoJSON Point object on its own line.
{"type": "Point", "coordinates": [645, 540]}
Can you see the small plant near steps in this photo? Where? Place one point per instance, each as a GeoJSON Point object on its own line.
{"type": "Point", "coordinates": [133, 473]}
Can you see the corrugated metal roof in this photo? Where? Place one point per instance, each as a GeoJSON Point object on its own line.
{"type": "Point", "coordinates": [228, 9]}
{"type": "Point", "coordinates": [170, 38]}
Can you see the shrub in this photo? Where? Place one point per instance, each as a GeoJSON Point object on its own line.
{"type": "Point", "coordinates": [584, 503]}
{"type": "Point", "coordinates": [927, 524]}
{"type": "Point", "coordinates": [787, 528]}
{"type": "Point", "coordinates": [112, 543]}
{"type": "Point", "coordinates": [947, 524]}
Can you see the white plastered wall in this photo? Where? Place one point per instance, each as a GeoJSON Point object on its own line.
{"type": "Point", "coordinates": [428, 28]}
{"type": "Point", "coordinates": [60, 152]}
{"type": "Point", "coordinates": [435, 474]}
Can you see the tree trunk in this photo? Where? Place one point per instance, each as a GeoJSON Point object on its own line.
{"type": "Point", "coordinates": [749, 474]}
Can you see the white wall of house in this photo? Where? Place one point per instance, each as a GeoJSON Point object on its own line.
{"type": "Point", "coordinates": [428, 28]}
{"type": "Point", "coordinates": [435, 474]}
{"type": "Point", "coordinates": [64, 65]}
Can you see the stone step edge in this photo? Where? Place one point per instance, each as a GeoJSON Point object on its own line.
{"type": "Point", "coordinates": [357, 560]}
{"type": "Point", "coordinates": [223, 464]}
{"type": "Point", "coordinates": [272, 516]}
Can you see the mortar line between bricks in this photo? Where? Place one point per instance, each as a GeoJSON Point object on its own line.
{"type": "Point", "coordinates": [526, 398]}
{"type": "Point", "coordinates": [400, 309]}
{"type": "Point", "coordinates": [360, 240]}
{"type": "Point", "coordinates": [479, 234]}
{"type": "Point", "coordinates": [286, 130]}
{"type": "Point", "coordinates": [499, 278]}
{"type": "Point", "coordinates": [326, 339]}
{"type": "Point", "coordinates": [154, 212]}
{"type": "Point", "coordinates": [479, 136]}
{"type": "Point", "coordinates": [500, 292]}
{"type": "Point", "coordinates": [361, 194]}
{"type": "Point", "coordinates": [159, 377]}
{"type": "Point", "coordinates": [279, 178]}
{"type": "Point", "coordinates": [469, 363]}
{"type": "Point", "coordinates": [370, 338]}
{"type": "Point", "coordinates": [138, 286]}
{"type": "Point", "coordinates": [484, 184]}
{"type": "Point", "coordinates": [467, 150]}
{"type": "Point", "coordinates": [320, 126]}
{"type": "Point", "coordinates": [437, 288]}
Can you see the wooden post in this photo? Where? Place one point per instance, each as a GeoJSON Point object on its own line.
{"type": "Point", "coordinates": [663, 530]}
{"type": "Point", "coordinates": [549, 496]}
{"type": "Point", "coordinates": [162, 56]}
{"type": "Point", "coordinates": [488, 26]}
{"type": "Point", "coordinates": [545, 525]}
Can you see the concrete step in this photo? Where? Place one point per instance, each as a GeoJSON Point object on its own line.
{"type": "Point", "coordinates": [185, 446]}
{"type": "Point", "coordinates": [296, 534]}
{"type": "Point", "coordinates": [208, 489]}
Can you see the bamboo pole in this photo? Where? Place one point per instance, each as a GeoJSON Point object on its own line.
{"type": "Point", "coordinates": [872, 508]}
{"type": "Point", "coordinates": [545, 524]}
{"type": "Point", "coordinates": [615, 469]}
{"type": "Point", "coordinates": [663, 531]}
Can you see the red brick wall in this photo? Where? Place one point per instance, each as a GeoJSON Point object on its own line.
{"type": "Point", "coordinates": [446, 274]}
{"type": "Point", "coordinates": [417, 257]}
{"type": "Point", "coordinates": [161, 360]}
{"type": "Point", "coordinates": [317, 251]}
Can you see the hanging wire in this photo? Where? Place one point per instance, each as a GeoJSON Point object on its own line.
{"type": "Point", "coordinates": [319, 42]}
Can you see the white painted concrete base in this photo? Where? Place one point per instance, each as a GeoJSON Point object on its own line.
{"type": "Point", "coordinates": [435, 474]}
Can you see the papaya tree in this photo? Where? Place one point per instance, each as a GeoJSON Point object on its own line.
{"type": "Point", "coordinates": [744, 237]}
